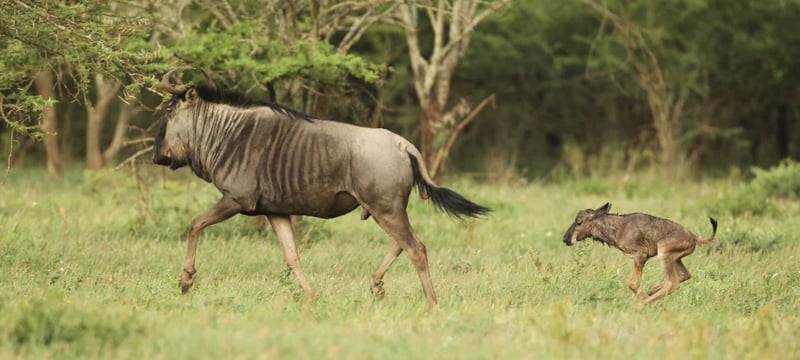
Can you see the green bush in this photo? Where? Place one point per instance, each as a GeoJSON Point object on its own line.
{"type": "Point", "coordinates": [50, 321]}
{"type": "Point", "coordinates": [781, 181]}
{"type": "Point", "coordinates": [759, 195]}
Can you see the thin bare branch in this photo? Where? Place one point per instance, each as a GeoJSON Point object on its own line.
{"type": "Point", "coordinates": [138, 141]}
{"type": "Point", "coordinates": [10, 152]}
{"type": "Point", "coordinates": [134, 157]}
{"type": "Point", "coordinates": [444, 152]}
{"type": "Point", "coordinates": [118, 139]}
{"type": "Point", "coordinates": [361, 25]}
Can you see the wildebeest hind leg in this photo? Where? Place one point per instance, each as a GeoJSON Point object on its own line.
{"type": "Point", "coordinates": [222, 210]}
{"type": "Point", "coordinates": [377, 276]}
{"type": "Point", "coordinates": [397, 226]}
{"type": "Point", "coordinates": [683, 275]}
{"type": "Point", "coordinates": [671, 278]}
{"type": "Point", "coordinates": [282, 226]}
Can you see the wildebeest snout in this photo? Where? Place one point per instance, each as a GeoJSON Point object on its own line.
{"type": "Point", "coordinates": [160, 159]}
{"type": "Point", "coordinates": [163, 157]}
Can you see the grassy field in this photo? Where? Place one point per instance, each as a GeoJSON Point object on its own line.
{"type": "Point", "coordinates": [89, 268]}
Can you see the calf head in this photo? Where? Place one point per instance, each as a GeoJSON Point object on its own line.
{"type": "Point", "coordinates": [176, 116]}
{"type": "Point", "coordinates": [584, 224]}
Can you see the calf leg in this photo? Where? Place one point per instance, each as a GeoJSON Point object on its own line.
{"type": "Point", "coordinates": [683, 275]}
{"type": "Point", "coordinates": [282, 226]}
{"type": "Point", "coordinates": [377, 276]}
{"type": "Point", "coordinates": [635, 279]}
{"type": "Point", "coordinates": [399, 229]}
{"type": "Point", "coordinates": [683, 272]}
{"type": "Point", "coordinates": [222, 210]}
{"type": "Point", "coordinates": [671, 278]}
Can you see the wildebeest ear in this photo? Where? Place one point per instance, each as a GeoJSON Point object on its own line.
{"type": "Point", "coordinates": [605, 208]}
{"type": "Point", "coordinates": [191, 94]}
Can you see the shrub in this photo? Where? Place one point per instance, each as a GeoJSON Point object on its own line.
{"type": "Point", "coordinates": [48, 321]}
{"type": "Point", "coordinates": [758, 196]}
{"type": "Point", "coordinates": [781, 181]}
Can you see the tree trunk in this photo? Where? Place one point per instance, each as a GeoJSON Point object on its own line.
{"type": "Point", "coordinates": [431, 117]}
{"type": "Point", "coordinates": [665, 100]}
{"type": "Point", "coordinates": [782, 132]}
{"type": "Point", "coordinates": [452, 24]}
{"type": "Point", "coordinates": [106, 92]}
{"type": "Point", "coordinates": [669, 153]}
{"type": "Point", "coordinates": [125, 113]}
{"type": "Point", "coordinates": [49, 126]}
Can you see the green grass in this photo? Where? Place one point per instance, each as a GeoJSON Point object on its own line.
{"type": "Point", "coordinates": [89, 268]}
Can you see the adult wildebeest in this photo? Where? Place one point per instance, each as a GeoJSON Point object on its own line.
{"type": "Point", "coordinates": [640, 237]}
{"type": "Point", "coordinates": [270, 160]}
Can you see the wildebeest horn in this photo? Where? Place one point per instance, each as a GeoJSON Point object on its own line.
{"type": "Point", "coordinates": [173, 89]}
{"type": "Point", "coordinates": [209, 82]}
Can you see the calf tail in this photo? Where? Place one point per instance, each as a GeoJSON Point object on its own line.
{"type": "Point", "coordinates": [714, 233]}
{"type": "Point", "coordinates": [445, 199]}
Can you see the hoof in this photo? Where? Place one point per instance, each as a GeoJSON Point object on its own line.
{"type": "Point", "coordinates": [654, 290]}
{"type": "Point", "coordinates": [310, 298]}
{"type": "Point", "coordinates": [377, 289]}
{"type": "Point", "coordinates": [186, 282]}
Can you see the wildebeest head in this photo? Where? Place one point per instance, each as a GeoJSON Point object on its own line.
{"type": "Point", "coordinates": [170, 143]}
{"type": "Point", "coordinates": [582, 227]}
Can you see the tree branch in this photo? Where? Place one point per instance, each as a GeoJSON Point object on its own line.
{"type": "Point", "coordinates": [118, 140]}
{"type": "Point", "coordinates": [361, 25]}
{"type": "Point", "coordinates": [442, 156]}
{"type": "Point", "coordinates": [133, 157]}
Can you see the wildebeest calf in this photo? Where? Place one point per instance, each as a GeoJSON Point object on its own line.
{"type": "Point", "coordinates": [640, 237]}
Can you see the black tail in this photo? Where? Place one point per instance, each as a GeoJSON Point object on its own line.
{"type": "Point", "coordinates": [445, 199]}
{"type": "Point", "coordinates": [713, 233]}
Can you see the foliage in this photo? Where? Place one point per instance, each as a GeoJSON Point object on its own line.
{"type": "Point", "coordinates": [129, 42]}
{"type": "Point", "coordinates": [765, 193]}
{"type": "Point", "coordinates": [780, 181]}
{"type": "Point", "coordinates": [250, 47]}
{"type": "Point", "coordinates": [562, 77]}
{"type": "Point", "coordinates": [84, 37]}
{"type": "Point", "coordinates": [49, 322]}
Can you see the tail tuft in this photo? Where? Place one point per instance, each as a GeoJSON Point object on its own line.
{"type": "Point", "coordinates": [713, 233]}
{"type": "Point", "coordinates": [454, 204]}
{"type": "Point", "coordinates": [448, 201]}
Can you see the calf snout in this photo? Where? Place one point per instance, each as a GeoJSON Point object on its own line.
{"type": "Point", "coordinates": [569, 235]}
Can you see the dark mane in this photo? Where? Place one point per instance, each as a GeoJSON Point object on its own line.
{"type": "Point", "coordinates": [237, 99]}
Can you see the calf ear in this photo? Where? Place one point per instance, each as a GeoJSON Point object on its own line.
{"type": "Point", "coordinates": [604, 209]}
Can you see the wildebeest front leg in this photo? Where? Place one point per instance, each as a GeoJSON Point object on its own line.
{"type": "Point", "coordinates": [377, 276]}
{"type": "Point", "coordinates": [282, 225]}
{"type": "Point", "coordinates": [635, 279]}
{"type": "Point", "coordinates": [222, 210]}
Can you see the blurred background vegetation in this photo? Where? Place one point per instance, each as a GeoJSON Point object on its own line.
{"type": "Point", "coordinates": [503, 90]}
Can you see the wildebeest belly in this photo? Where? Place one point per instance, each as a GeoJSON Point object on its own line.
{"type": "Point", "coordinates": [322, 205]}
